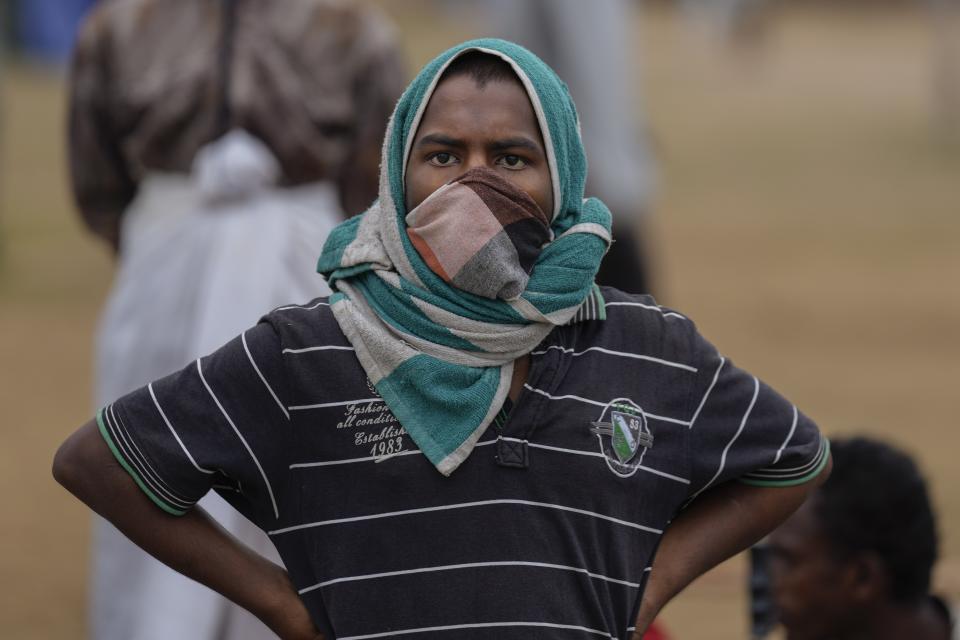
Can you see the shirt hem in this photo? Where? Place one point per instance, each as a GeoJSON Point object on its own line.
{"type": "Point", "coordinates": [133, 474]}
{"type": "Point", "coordinates": [792, 482]}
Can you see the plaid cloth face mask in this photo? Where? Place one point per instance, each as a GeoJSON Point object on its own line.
{"type": "Point", "coordinates": [480, 233]}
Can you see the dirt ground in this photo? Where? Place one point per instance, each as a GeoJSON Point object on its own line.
{"type": "Point", "coordinates": [808, 218]}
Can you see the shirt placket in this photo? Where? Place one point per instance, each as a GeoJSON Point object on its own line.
{"type": "Point", "coordinates": [516, 423]}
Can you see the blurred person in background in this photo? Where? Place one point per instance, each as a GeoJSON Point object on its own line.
{"type": "Point", "coordinates": [742, 23]}
{"type": "Point", "coordinates": [213, 145]}
{"type": "Point", "coordinates": [945, 21]}
{"type": "Point", "coordinates": [590, 45]}
{"type": "Point", "coordinates": [855, 562]}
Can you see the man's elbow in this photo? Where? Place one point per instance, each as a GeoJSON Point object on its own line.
{"type": "Point", "coordinates": [805, 490]}
{"type": "Point", "coordinates": [73, 459]}
{"type": "Point", "coordinates": [824, 474]}
{"type": "Point", "coordinates": [66, 466]}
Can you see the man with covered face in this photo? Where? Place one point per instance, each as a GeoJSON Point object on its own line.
{"type": "Point", "coordinates": [469, 438]}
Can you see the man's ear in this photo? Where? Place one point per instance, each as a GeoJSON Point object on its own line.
{"type": "Point", "coordinates": [869, 579]}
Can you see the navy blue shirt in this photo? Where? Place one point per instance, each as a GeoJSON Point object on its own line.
{"type": "Point", "coordinates": [548, 529]}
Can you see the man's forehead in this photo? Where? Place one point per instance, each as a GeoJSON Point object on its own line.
{"type": "Point", "coordinates": [460, 106]}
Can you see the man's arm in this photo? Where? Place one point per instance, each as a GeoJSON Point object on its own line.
{"type": "Point", "coordinates": [716, 526]}
{"type": "Point", "coordinates": [193, 544]}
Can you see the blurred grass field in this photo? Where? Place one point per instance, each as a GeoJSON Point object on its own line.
{"type": "Point", "coordinates": [808, 218]}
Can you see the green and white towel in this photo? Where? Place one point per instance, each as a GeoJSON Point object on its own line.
{"type": "Point", "coordinates": [440, 356]}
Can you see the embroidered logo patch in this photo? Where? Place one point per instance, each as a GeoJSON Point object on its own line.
{"type": "Point", "coordinates": [623, 436]}
{"type": "Point", "coordinates": [626, 435]}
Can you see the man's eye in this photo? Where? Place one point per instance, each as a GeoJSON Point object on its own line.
{"type": "Point", "coordinates": [442, 159]}
{"type": "Point", "coordinates": [513, 162]}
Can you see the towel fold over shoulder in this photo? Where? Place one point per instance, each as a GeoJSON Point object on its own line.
{"type": "Point", "coordinates": [439, 356]}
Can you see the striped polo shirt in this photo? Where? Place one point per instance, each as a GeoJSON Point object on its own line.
{"type": "Point", "coordinates": [547, 530]}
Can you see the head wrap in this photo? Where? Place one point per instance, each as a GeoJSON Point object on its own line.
{"type": "Point", "coordinates": [440, 356]}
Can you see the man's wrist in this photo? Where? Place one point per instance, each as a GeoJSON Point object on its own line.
{"type": "Point", "coordinates": [274, 594]}
{"type": "Point", "coordinates": [281, 609]}
{"type": "Point", "coordinates": [650, 606]}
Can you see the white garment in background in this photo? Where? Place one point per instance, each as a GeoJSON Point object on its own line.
{"type": "Point", "coordinates": [203, 257]}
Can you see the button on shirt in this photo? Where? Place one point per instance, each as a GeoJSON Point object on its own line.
{"type": "Point", "coordinates": [549, 527]}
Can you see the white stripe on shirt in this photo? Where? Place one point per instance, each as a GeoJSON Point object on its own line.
{"type": "Point", "coordinates": [706, 395]}
{"type": "Point", "coordinates": [652, 307]}
{"type": "Point", "coordinates": [478, 625]}
{"type": "Point", "coordinates": [170, 426]}
{"type": "Point", "coordinates": [566, 397]}
{"type": "Point", "coordinates": [328, 463]}
{"type": "Point", "coordinates": [469, 565]}
{"type": "Point", "coordinates": [276, 512]}
{"type": "Point", "coordinates": [743, 423]}
{"type": "Point", "coordinates": [328, 347]}
{"type": "Point", "coordinates": [301, 407]}
{"type": "Point", "coordinates": [243, 337]}
{"type": "Point", "coordinates": [465, 505]}
{"type": "Point", "coordinates": [793, 428]}
{"type": "Point", "coordinates": [597, 454]}
{"type": "Point", "coordinates": [622, 354]}
{"type": "Point", "coordinates": [380, 458]}
{"type": "Point", "coordinates": [597, 403]}
{"type": "Point", "coordinates": [533, 445]}
{"type": "Point", "coordinates": [303, 308]}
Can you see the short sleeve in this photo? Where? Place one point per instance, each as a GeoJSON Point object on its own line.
{"type": "Point", "coordinates": [220, 422]}
{"type": "Point", "coordinates": [742, 429]}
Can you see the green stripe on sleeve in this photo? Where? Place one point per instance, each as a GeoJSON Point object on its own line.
{"type": "Point", "coordinates": [160, 502]}
{"type": "Point", "coordinates": [792, 482]}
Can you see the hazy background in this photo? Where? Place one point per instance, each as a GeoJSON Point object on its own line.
{"type": "Point", "coordinates": [808, 217]}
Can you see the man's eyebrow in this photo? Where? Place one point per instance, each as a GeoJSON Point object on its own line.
{"type": "Point", "coordinates": [439, 139]}
{"type": "Point", "coordinates": [519, 142]}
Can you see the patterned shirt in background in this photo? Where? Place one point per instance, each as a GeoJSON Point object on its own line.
{"type": "Point", "coordinates": [153, 81]}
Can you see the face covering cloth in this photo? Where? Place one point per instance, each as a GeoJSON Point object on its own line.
{"type": "Point", "coordinates": [436, 327]}
{"type": "Point", "coordinates": [480, 233]}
